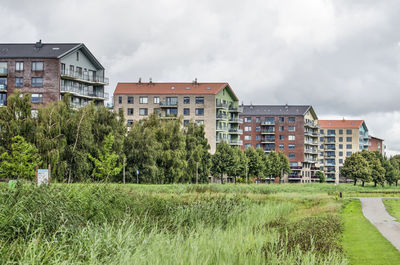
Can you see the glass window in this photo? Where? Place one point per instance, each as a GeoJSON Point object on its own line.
{"type": "Point", "coordinates": [341, 161]}
{"type": "Point", "coordinates": [19, 66]}
{"type": "Point", "coordinates": [247, 146]}
{"type": "Point", "coordinates": [281, 128]}
{"type": "Point", "coordinates": [185, 122]}
{"type": "Point", "coordinates": [37, 98]}
{"type": "Point", "coordinates": [157, 111]}
{"type": "Point", "coordinates": [37, 81]}
{"type": "Point", "coordinates": [247, 128]}
{"type": "Point", "coordinates": [258, 137]}
{"type": "Point", "coordinates": [156, 100]}
{"type": "Point", "coordinates": [292, 119]}
{"type": "Point", "coordinates": [349, 139]}
{"type": "Point", "coordinates": [130, 111]}
{"type": "Point", "coordinates": [292, 155]}
{"type": "Point", "coordinates": [37, 66]}
{"type": "Point", "coordinates": [348, 153]}
{"type": "Point", "coordinates": [186, 100]}
{"type": "Point", "coordinates": [248, 119]}
{"type": "Point", "coordinates": [348, 131]}
{"type": "Point", "coordinates": [199, 112]}
{"type": "Point", "coordinates": [247, 137]}
{"type": "Point", "coordinates": [143, 112]}
{"type": "Point", "coordinates": [340, 139]}
{"type": "Point", "coordinates": [258, 145]}
{"type": "Point", "coordinates": [340, 146]}
{"type": "Point", "coordinates": [340, 153]}
{"type": "Point", "coordinates": [120, 100]}
{"type": "Point", "coordinates": [349, 146]}
{"type": "Point", "coordinates": [291, 146]}
{"type": "Point", "coordinates": [79, 71]}
{"type": "Point", "coordinates": [321, 139]}
{"type": "Point", "coordinates": [281, 137]}
{"type": "Point", "coordinates": [258, 120]}
{"type": "Point", "coordinates": [281, 119]}
{"type": "Point", "coordinates": [130, 100]}
{"type": "Point", "coordinates": [292, 137]}
{"type": "Point", "coordinates": [130, 122]}
{"type": "Point", "coordinates": [186, 111]}
{"type": "Point", "coordinates": [258, 129]}
{"type": "Point", "coordinates": [331, 132]}
{"type": "Point", "coordinates": [321, 131]}
{"type": "Point", "coordinates": [19, 82]}
{"type": "Point", "coordinates": [291, 129]}
{"type": "Point", "coordinates": [281, 146]}
{"type": "Point", "coordinates": [340, 131]}
{"type": "Point", "coordinates": [200, 122]}
{"type": "Point", "coordinates": [199, 100]}
{"type": "Point", "coordinates": [143, 100]}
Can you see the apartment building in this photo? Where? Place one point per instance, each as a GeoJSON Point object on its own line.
{"type": "Point", "coordinates": [376, 144]}
{"type": "Point", "coordinates": [47, 71]}
{"type": "Point", "coordinates": [213, 104]}
{"type": "Point", "coordinates": [290, 129]}
{"type": "Point", "coordinates": [338, 140]}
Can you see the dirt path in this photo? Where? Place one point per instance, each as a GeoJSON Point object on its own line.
{"type": "Point", "coordinates": [374, 210]}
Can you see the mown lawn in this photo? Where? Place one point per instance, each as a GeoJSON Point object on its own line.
{"type": "Point", "coordinates": [362, 242]}
{"type": "Point", "coordinates": [393, 207]}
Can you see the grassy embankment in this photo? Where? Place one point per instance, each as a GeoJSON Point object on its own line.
{"type": "Point", "coordinates": [393, 207]}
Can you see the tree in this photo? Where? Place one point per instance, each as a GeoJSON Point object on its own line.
{"type": "Point", "coordinates": [319, 174]}
{"type": "Point", "coordinates": [356, 167]}
{"type": "Point", "coordinates": [242, 164]}
{"type": "Point", "coordinates": [256, 165]}
{"type": "Point", "coordinates": [395, 162]}
{"type": "Point", "coordinates": [283, 164]}
{"type": "Point", "coordinates": [222, 160]}
{"type": "Point", "coordinates": [377, 171]}
{"type": "Point", "coordinates": [106, 165]}
{"type": "Point", "coordinates": [21, 161]}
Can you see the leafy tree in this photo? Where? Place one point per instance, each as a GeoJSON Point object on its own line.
{"type": "Point", "coordinates": [356, 167]}
{"type": "Point", "coordinates": [273, 166]}
{"type": "Point", "coordinates": [283, 164]}
{"type": "Point", "coordinates": [21, 161]}
{"type": "Point", "coordinates": [319, 174]}
{"type": "Point", "coordinates": [395, 162]}
{"type": "Point", "coordinates": [106, 165]}
{"type": "Point", "coordinates": [377, 171]}
{"type": "Point", "coordinates": [222, 160]}
{"type": "Point", "coordinates": [242, 164]}
{"type": "Point", "coordinates": [256, 166]}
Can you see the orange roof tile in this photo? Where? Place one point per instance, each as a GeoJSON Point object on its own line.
{"type": "Point", "coordinates": [170, 88]}
{"type": "Point", "coordinates": [347, 124]}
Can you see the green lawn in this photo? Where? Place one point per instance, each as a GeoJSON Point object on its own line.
{"type": "Point", "coordinates": [393, 207]}
{"type": "Point", "coordinates": [362, 242]}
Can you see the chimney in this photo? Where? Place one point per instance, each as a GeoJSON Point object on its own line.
{"type": "Point", "coordinates": [38, 44]}
{"type": "Point", "coordinates": [287, 107]}
{"type": "Point", "coordinates": [195, 82]}
{"type": "Point", "coordinates": [140, 81]}
{"type": "Point", "coordinates": [150, 81]}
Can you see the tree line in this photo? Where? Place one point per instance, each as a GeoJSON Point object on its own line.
{"type": "Point", "coordinates": [369, 166]}
{"type": "Point", "coordinates": [92, 143]}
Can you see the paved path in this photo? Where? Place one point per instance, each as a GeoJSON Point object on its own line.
{"type": "Point", "coordinates": [374, 210]}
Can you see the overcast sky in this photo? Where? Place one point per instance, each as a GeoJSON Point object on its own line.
{"type": "Point", "coordinates": [340, 56]}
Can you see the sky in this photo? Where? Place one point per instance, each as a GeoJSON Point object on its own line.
{"type": "Point", "coordinates": [340, 56]}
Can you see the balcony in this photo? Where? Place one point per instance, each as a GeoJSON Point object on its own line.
{"type": "Point", "coordinates": [310, 151]}
{"type": "Point", "coordinates": [221, 105]}
{"type": "Point", "coordinates": [310, 160]}
{"type": "Point", "coordinates": [296, 167]}
{"type": "Point", "coordinates": [99, 80]}
{"type": "Point", "coordinates": [169, 116]}
{"type": "Point", "coordinates": [265, 140]}
{"type": "Point", "coordinates": [235, 131]}
{"type": "Point", "coordinates": [167, 104]}
{"type": "Point", "coordinates": [268, 131]}
{"type": "Point", "coordinates": [84, 93]}
{"type": "Point", "coordinates": [3, 88]}
{"type": "Point", "coordinates": [236, 142]}
{"type": "Point", "coordinates": [3, 71]}
{"type": "Point", "coordinates": [235, 120]}
{"type": "Point", "coordinates": [235, 109]}
{"type": "Point", "coordinates": [267, 123]}
{"type": "Point", "coordinates": [310, 124]}
{"type": "Point", "coordinates": [310, 142]}
{"type": "Point", "coordinates": [222, 117]}
{"type": "Point", "coordinates": [308, 133]}
{"type": "Point", "coordinates": [222, 128]}
{"type": "Point", "coordinates": [220, 140]}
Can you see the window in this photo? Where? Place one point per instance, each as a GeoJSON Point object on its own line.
{"type": "Point", "coordinates": [120, 100]}
{"type": "Point", "coordinates": [19, 66]}
{"type": "Point", "coordinates": [281, 146]}
{"type": "Point", "coordinates": [340, 131]}
{"type": "Point", "coordinates": [77, 56]}
{"type": "Point", "coordinates": [341, 161]}
{"type": "Point", "coordinates": [247, 128]}
{"type": "Point", "coordinates": [281, 137]}
{"type": "Point", "coordinates": [281, 128]}
{"type": "Point", "coordinates": [19, 81]}
{"type": "Point", "coordinates": [63, 68]}
{"type": "Point", "coordinates": [186, 111]}
{"type": "Point", "coordinates": [37, 98]}
{"type": "Point", "coordinates": [143, 100]}
{"type": "Point", "coordinates": [348, 131]}
{"type": "Point", "coordinates": [247, 146]}
{"type": "Point", "coordinates": [292, 119]}
{"type": "Point", "coordinates": [292, 137]}
{"type": "Point", "coordinates": [321, 131]}
{"type": "Point", "coordinates": [258, 137]}
{"type": "Point", "coordinates": [247, 137]}
{"type": "Point", "coordinates": [340, 153]}
{"type": "Point", "coordinates": [37, 66]}
{"type": "Point", "coordinates": [258, 145]}
{"type": "Point", "coordinates": [349, 146]}
{"type": "Point", "coordinates": [130, 100]}
{"type": "Point", "coordinates": [281, 119]}
{"type": "Point", "coordinates": [331, 132]}
{"type": "Point", "coordinates": [199, 100]}
{"type": "Point", "coordinates": [143, 111]}
{"type": "Point", "coordinates": [348, 153]}
{"type": "Point", "coordinates": [120, 110]}
{"type": "Point", "coordinates": [186, 100]}
{"type": "Point", "coordinates": [321, 139]}
{"type": "Point", "coordinates": [291, 146]}
{"type": "Point", "coordinates": [37, 81]}
{"type": "Point", "coordinates": [199, 112]}
{"type": "Point", "coordinates": [186, 123]}
{"type": "Point", "coordinates": [340, 139]}
{"type": "Point", "coordinates": [200, 122]}
{"type": "Point", "coordinates": [258, 129]}
{"type": "Point", "coordinates": [248, 119]}
{"type": "Point", "coordinates": [157, 111]}
{"type": "Point", "coordinates": [79, 71]}
{"type": "Point", "coordinates": [292, 155]}
{"type": "Point", "coordinates": [130, 122]}
{"type": "Point", "coordinates": [156, 100]}
{"type": "Point", "coordinates": [130, 111]}
{"type": "Point", "coordinates": [291, 128]}
{"type": "Point", "coordinates": [258, 120]}
{"type": "Point", "coordinates": [349, 139]}
{"type": "Point", "coordinates": [340, 146]}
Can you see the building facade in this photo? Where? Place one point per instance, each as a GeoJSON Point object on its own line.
{"type": "Point", "coordinates": [376, 144]}
{"type": "Point", "coordinates": [338, 140]}
{"type": "Point", "coordinates": [47, 71]}
{"type": "Point", "coordinates": [213, 104]}
{"type": "Point", "coordinates": [290, 129]}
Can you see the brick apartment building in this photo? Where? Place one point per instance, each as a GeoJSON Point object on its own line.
{"type": "Point", "coordinates": [290, 129]}
{"type": "Point", "coordinates": [376, 144]}
{"type": "Point", "coordinates": [49, 70]}
{"type": "Point", "coordinates": [338, 140]}
{"type": "Point", "coordinates": [213, 104]}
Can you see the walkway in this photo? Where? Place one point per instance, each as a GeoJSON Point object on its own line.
{"type": "Point", "coordinates": [374, 210]}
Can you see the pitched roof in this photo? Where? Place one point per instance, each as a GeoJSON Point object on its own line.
{"type": "Point", "coordinates": [334, 124]}
{"type": "Point", "coordinates": [376, 138]}
{"type": "Point", "coordinates": [29, 50]}
{"type": "Point", "coordinates": [275, 110]}
{"type": "Point", "coordinates": [170, 88]}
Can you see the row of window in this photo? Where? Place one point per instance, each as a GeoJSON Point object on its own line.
{"type": "Point", "coordinates": [186, 111]}
{"type": "Point", "coordinates": [247, 137]}
{"type": "Point", "coordinates": [185, 122]}
{"type": "Point", "coordinates": [281, 128]}
{"type": "Point", "coordinates": [19, 66]}
{"type": "Point", "coordinates": [156, 100]}
{"type": "Point", "coordinates": [348, 139]}
{"type": "Point", "coordinates": [333, 132]}
{"type": "Point", "coordinates": [348, 146]}
{"type": "Point", "coordinates": [270, 119]}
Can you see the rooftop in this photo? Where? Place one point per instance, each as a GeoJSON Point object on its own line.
{"type": "Point", "coordinates": [35, 50]}
{"type": "Point", "coordinates": [276, 110]}
{"type": "Point", "coordinates": [346, 124]}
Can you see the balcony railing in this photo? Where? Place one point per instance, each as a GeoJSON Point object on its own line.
{"type": "Point", "coordinates": [235, 109]}
{"type": "Point", "coordinates": [268, 140]}
{"type": "Point", "coordinates": [236, 131]}
{"type": "Point", "coordinates": [310, 124]}
{"type": "Point", "coordinates": [84, 93]}
{"type": "Point", "coordinates": [236, 142]}
{"type": "Point", "coordinates": [3, 71]}
{"type": "Point", "coordinates": [310, 142]}
{"type": "Point", "coordinates": [221, 128]}
{"type": "Point", "coordinates": [168, 104]}
{"type": "Point", "coordinates": [235, 120]}
{"type": "Point", "coordinates": [310, 151]}
{"type": "Point", "coordinates": [85, 77]}
{"type": "Point", "coordinates": [222, 117]}
{"type": "Point", "coordinates": [268, 131]}
{"type": "Point", "coordinates": [268, 123]}
{"type": "Point", "coordinates": [3, 87]}
{"type": "Point", "coordinates": [221, 105]}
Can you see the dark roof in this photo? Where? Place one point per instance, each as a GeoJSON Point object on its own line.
{"type": "Point", "coordinates": [276, 110]}
{"type": "Point", "coordinates": [29, 50]}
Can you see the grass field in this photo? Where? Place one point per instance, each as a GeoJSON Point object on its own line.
{"type": "Point", "coordinates": [178, 224]}
{"type": "Point", "coordinates": [393, 207]}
